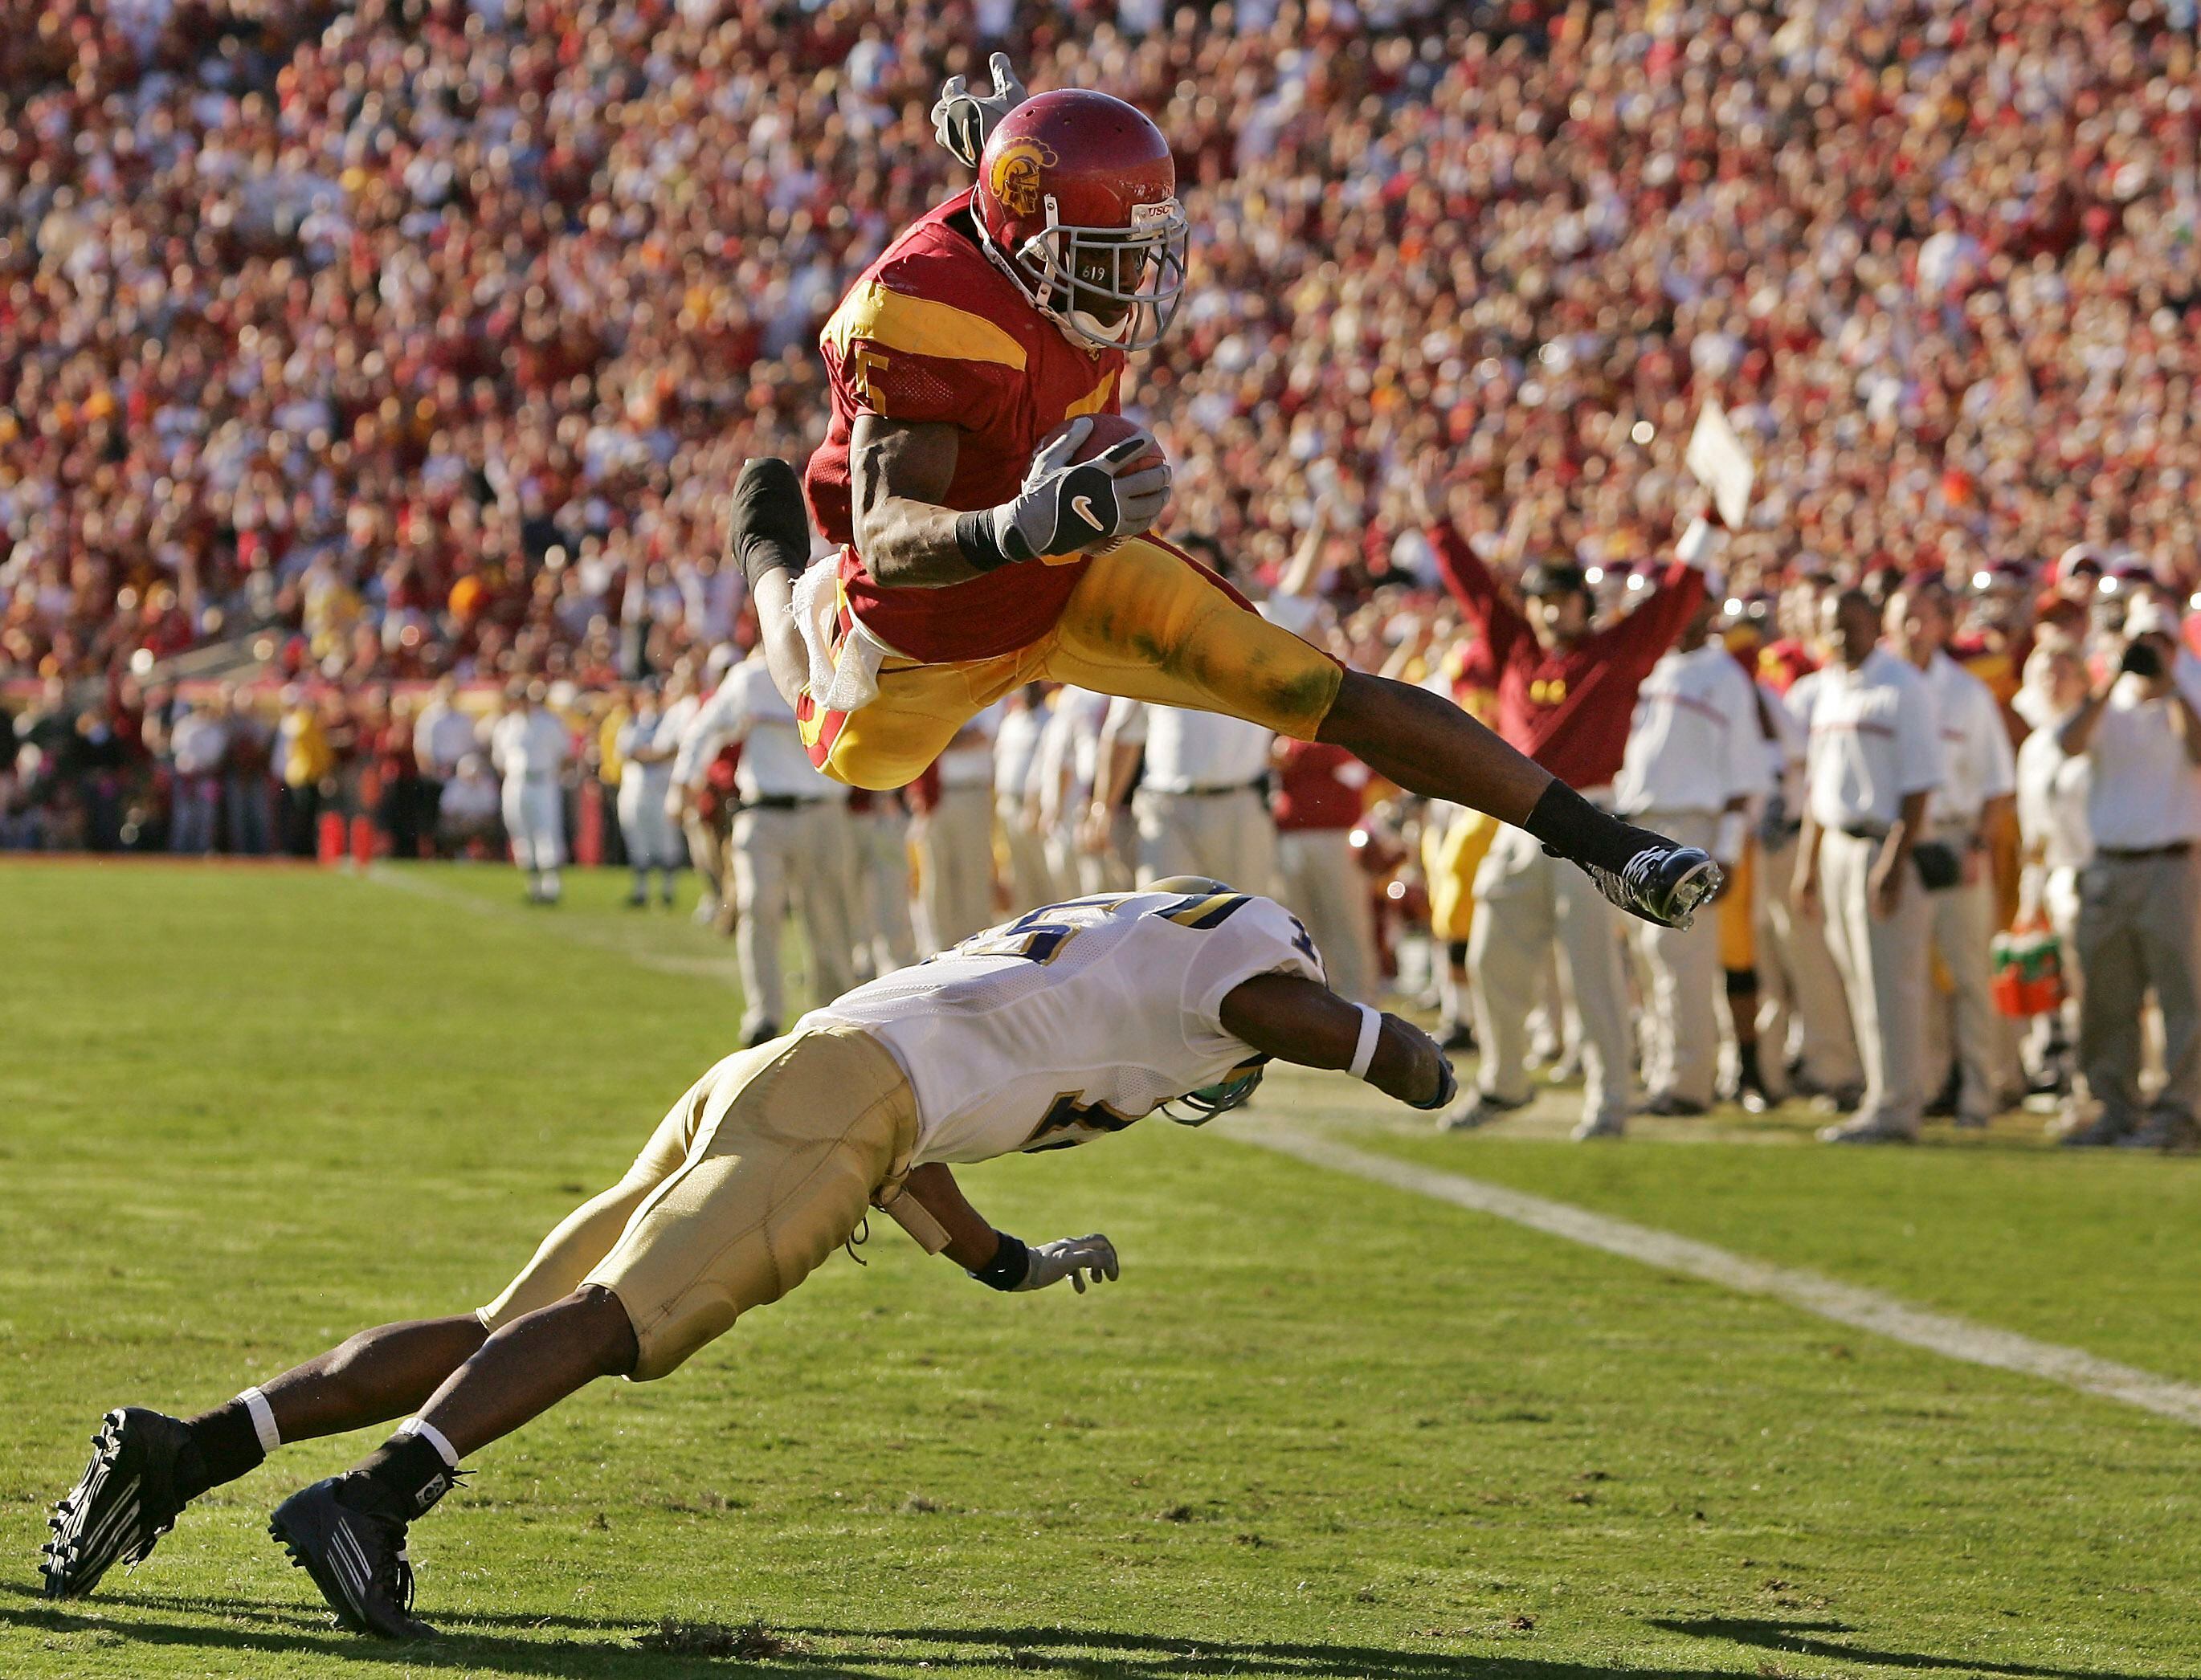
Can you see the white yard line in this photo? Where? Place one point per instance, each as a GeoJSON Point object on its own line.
{"type": "Point", "coordinates": [723, 969]}
{"type": "Point", "coordinates": [1844, 1304]}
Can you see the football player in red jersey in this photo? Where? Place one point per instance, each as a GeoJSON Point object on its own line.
{"type": "Point", "coordinates": [978, 553]}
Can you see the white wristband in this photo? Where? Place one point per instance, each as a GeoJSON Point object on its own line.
{"type": "Point", "coordinates": [263, 1419]}
{"type": "Point", "coordinates": [1371, 1029]}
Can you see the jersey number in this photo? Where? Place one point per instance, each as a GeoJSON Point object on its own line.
{"type": "Point", "coordinates": [1087, 1120]}
{"type": "Point", "coordinates": [1028, 937]}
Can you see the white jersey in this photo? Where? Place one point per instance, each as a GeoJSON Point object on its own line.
{"type": "Point", "coordinates": [1074, 1020]}
{"type": "Point", "coordinates": [1695, 743]}
{"type": "Point", "coordinates": [528, 746]}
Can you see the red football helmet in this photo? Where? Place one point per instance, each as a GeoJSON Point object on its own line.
{"type": "Point", "coordinates": [1076, 198]}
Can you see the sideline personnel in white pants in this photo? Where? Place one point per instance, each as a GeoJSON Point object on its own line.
{"type": "Point", "coordinates": [1974, 805]}
{"type": "Point", "coordinates": [1695, 758]}
{"type": "Point", "coordinates": [529, 748]}
{"type": "Point", "coordinates": [790, 844]}
{"type": "Point", "coordinates": [1202, 807]}
{"type": "Point", "coordinates": [1874, 760]}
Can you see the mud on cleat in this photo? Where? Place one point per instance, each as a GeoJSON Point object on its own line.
{"type": "Point", "coordinates": [121, 1506]}
{"type": "Point", "coordinates": [356, 1553]}
{"type": "Point", "coordinates": [1661, 883]}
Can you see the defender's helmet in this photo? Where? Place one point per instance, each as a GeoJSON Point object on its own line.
{"type": "Point", "coordinates": [1076, 200]}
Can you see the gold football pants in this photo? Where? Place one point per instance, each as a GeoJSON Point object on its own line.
{"type": "Point", "coordinates": [761, 1170]}
{"type": "Point", "coordinates": [1147, 622]}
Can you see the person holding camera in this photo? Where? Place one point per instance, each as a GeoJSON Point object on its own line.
{"type": "Point", "coordinates": [2141, 739]}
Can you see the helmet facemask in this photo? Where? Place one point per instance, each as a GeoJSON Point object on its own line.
{"type": "Point", "coordinates": [1111, 288]}
{"type": "Point", "coordinates": [1232, 1091]}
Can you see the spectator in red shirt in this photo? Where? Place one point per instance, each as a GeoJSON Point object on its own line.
{"type": "Point", "coordinates": [1319, 801]}
{"type": "Point", "coordinates": [1566, 692]}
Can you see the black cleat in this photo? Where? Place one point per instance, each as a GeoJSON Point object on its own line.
{"type": "Point", "coordinates": [122, 1505]}
{"type": "Point", "coordinates": [767, 524]}
{"type": "Point", "coordinates": [357, 1558]}
{"type": "Point", "coordinates": [1661, 883]}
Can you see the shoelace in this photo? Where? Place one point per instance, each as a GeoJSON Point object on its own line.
{"type": "Point", "coordinates": [396, 1577]}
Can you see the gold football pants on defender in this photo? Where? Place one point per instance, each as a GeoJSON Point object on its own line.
{"type": "Point", "coordinates": [759, 1172]}
{"type": "Point", "coordinates": [1145, 622]}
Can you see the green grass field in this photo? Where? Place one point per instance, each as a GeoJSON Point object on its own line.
{"type": "Point", "coordinates": [1321, 1427]}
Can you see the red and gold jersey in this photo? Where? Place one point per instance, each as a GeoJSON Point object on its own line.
{"type": "Point", "coordinates": [933, 330]}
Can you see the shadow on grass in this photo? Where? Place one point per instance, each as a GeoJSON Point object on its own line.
{"type": "Point", "coordinates": [585, 1649]}
{"type": "Point", "coordinates": [1801, 1639]}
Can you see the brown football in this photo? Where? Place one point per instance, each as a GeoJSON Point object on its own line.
{"type": "Point", "coordinates": [1108, 429]}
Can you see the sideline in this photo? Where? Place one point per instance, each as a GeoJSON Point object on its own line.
{"type": "Point", "coordinates": [1943, 1333]}
{"type": "Point", "coordinates": [724, 970]}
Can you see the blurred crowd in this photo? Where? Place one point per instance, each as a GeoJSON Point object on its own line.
{"type": "Point", "coordinates": [403, 350]}
{"type": "Point", "coordinates": [425, 333]}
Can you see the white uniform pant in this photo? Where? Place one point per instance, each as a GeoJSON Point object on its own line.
{"type": "Point", "coordinates": [1681, 1018]}
{"type": "Point", "coordinates": [955, 865]}
{"type": "Point", "coordinates": [1883, 964]}
{"type": "Point", "coordinates": [1031, 876]}
{"type": "Point", "coordinates": [2136, 933]}
{"type": "Point", "coordinates": [1527, 900]}
{"type": "Point", "coordinates": [780, 858]}
{"type": "Point", "coordinates": [882, 932]}
{"type": "Point", "coordinates": [534, 821]}
{"type": "Point", "coordinates": [1227, 836]}
{"type": "Point", "coordinates": [1964, 1023]}
{"type": "Point", "coordinates": [1802, 1011]}
{"type": "Point", "coordinates": [1328, 890]}
{"type": "Point", "coordinates": [651, 844]}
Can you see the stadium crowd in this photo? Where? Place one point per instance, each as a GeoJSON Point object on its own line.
{"type": "Point", "coordinates": [414, 342]}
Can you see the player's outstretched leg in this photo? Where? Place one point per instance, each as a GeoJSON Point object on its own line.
{"type": "Point", "coordinates": [146, 1467]}
{"type": "Point", "coordinates": [1429, 746]}
{"type": "Point", "coordinates": [348, 1531]}
{"type": "Point", "coordinates": [768, 538]}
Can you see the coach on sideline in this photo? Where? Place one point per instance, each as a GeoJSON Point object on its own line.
{"type": "Point", "coordinates": [1874, 760]}
{"type": "Point", "coordinates": [2137, 902]}
{"type": "Point", "coordinates": [1565, 693]}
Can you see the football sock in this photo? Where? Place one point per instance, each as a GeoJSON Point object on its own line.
{"type": "Point", "coordinates": [769, 525]}
{"type": "Point", "coordinates": [1747, 1069]}
{"type": "Point", "coordinates": [225, 1444]}
{"type": "Point", "coordinates": [550, 885]}
{"type": "Point", "coordinates": [1572, 828]}
{"type": "Point", "coordinates": [410, 1471]}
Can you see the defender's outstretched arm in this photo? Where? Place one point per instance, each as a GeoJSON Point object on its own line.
{"type": "Point", "coordinates": [1294, 1019]}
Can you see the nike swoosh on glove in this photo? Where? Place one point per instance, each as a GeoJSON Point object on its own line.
{"type": "Point", "coordinates": [961, 119]}
{"type": "Point", "coordinates": [1067, 505]}
{"type": "Point", "coordinates": [1070, 1257]}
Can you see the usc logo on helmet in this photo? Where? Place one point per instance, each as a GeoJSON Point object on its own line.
{"type": "Point", "coordinates": [1016, 179]}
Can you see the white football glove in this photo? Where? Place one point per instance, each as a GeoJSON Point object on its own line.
{"type": "Point", "coordinates": [1070, 1257]}
{"type": "Point", "coordinates": [961, 119]}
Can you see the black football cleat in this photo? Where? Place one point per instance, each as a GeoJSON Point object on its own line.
{"type": "Point", "coordinates": [122, 1505]}
{"type": "Point", "coordinates": [767, 523]}
{"type": "Point", "coordinates": [1661, 883]}
{"type": "Point", "coordinates": [356, 1556]}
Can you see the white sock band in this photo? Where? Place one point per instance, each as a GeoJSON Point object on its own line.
{"type": "Point", "coordinates": [1371, 1029]}
{"type": "Point", "coordinates": [434, 1437]}
{"type": "Point", "coordinates": [263, 1419]}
